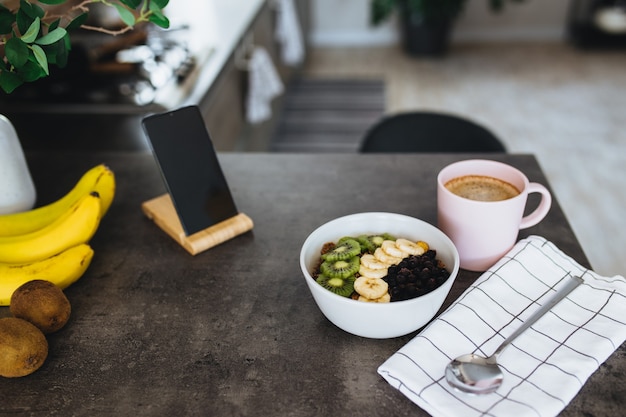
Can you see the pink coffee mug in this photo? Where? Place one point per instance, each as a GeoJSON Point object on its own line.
{"type": "Point", "coordinates": [483, 231]}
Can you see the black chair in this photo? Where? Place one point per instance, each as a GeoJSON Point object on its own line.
{"type": "Point", "coordinates": [429, 132]}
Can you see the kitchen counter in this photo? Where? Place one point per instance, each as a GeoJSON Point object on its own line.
{"type": "Point", "coordinates": [234, 331]}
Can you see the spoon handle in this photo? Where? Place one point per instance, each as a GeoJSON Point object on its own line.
{"type": "Point", "coordinates": [561, 293]}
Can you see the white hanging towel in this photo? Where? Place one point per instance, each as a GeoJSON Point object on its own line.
{"type": "Point", "coordinates": [264, 85]}
{"type": "Point", "coordinates": [289, 34]}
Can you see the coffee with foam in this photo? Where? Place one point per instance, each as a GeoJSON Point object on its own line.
{"type": "Point", "coordinates": [482, 188]}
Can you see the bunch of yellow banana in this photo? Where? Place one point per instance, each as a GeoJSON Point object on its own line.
{"type": "Point", "coordinates": [51, 242]}
{"type": "Point", "coordinates": [99, 179]}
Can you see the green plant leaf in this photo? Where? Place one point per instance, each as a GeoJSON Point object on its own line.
{"type": "Point", "coordinates": [133, 4]}
{"type": "Point", "coordinates": [16, 52]}
{"type": "Point", "coordinates": [154, 7]}
{"type": "Point", "coordinates": [160, 3]}
{"type": "Point", "coordinates": [32, 10]}
{"type": "Point", "coordinates": [27, 8]}
{"type": "Point", "coordinates": [9, 81]}
{"type": "Point", "coordinates": [52, 1]}
{"type": "Point", "coordinates": [156, 16]}
{"type": "Point", "coordinates": [159, 19]}
{"type": "Point", "coordinates": [23, 21]}
{"type": "Point", "coordinates": [126, 15]}
{"type": "Point", "coordinates": [57, 53]}
{"type": "Point", "coordinates": [51, 37]}
{"type": "Point", "coordinates": [31, 71]}
{"type": "Point", "coordinates": [77, 21]}
{"type": "Point", "coordinates": [54, 25]}
{"type": "Point", "coordinates": [32, 32]}
{"type": "Point", "coordinates": [6, 20]}
{"type": "Point", "coordinates": [67, 43]}
{"type": "Point", "coordinates": [41, 58]}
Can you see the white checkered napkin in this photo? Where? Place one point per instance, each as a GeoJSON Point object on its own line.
{"type": "Point", "coordinates": [546, 366]}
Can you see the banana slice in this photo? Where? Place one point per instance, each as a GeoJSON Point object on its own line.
{"type": "Point", "coordinates": [391, 249]}
{"type": "Point", "coordinates": [413, 248]}
{"type": "Point", "coordinates": [371, 262]}
{"type": "Point", "coordinates": [384, 299]}
{"type": "Point", "coordinates": [372, 273]}
{"type": "Point", "coordinates": [383, 256]}
{"type": "Point", "coordinates": [371, 288]}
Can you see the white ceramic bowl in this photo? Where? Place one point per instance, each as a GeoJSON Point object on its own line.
{"type": "Point", "coordinates": [378, 320]}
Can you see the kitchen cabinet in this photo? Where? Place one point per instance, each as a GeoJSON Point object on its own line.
{"type": "Point", "coordinates": [223, 107]}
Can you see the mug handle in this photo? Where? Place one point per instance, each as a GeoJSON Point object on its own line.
{"type": "Point", "coordinates": [542, 209]}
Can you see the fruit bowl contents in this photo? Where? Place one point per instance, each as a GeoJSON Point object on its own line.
{"type": "Point", "coordinates": [379, 268]}
{"type": "Point", "coordinates": [426, 247]}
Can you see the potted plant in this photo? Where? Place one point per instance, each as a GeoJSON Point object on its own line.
{"type": "Point", "coordinates": [35, 34]}
{"type": "Point", "coordinates": [426, 24]}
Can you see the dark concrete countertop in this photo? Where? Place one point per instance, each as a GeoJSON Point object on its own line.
{"type": "Point", "coordinates": [234, 331]}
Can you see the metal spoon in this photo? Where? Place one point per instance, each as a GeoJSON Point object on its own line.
{"type": "Point", "coordinates": [477, 375]}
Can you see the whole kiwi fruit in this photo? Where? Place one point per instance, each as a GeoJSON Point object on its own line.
{"type": "Point", "coordinates": [42, 303]}
{"type": "Point", "coordinates": [23, 347]}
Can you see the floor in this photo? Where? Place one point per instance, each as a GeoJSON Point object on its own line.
{"type": "Point", "coordinates": [566, 106]}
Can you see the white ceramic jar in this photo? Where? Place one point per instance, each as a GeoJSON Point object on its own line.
{"type": "Point", "coordinates": [17, 191]}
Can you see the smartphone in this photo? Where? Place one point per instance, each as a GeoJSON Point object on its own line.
{"type": "Point", "coordinates": [184, 152]}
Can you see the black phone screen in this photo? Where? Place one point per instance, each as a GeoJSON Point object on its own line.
{"type": "Point", "coordinates": [193, 177]}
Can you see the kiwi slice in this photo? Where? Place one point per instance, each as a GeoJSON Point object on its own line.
{"type": "Point", "coordinates": [343, 239]}
{"type": "Point", "coordinates": [342, 268]}
{"type": "Point", "coordinates": [378, 240]}
{"type": "Point", "coordinates": [366, 244]}
{"type": "Point", "coordinates": [369, 243]}
{"type": "Point", "coordinates": [340, 286]}
{"type": "Point", "coordinates": [345, 249]}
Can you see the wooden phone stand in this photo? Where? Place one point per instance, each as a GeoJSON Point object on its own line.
{"type": "Point", "coordinates": [161, 210]}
